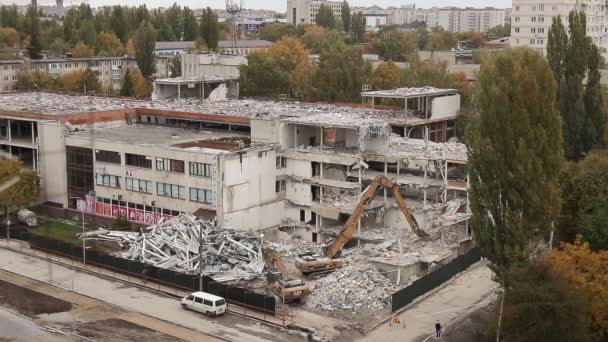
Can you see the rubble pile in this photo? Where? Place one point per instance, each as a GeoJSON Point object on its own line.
{"type": "Point", "coordinates": [227, 254]}
{"type": "Point", "coordinates": [354, 287]}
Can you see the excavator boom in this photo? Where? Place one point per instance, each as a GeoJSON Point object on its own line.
{"type": "Point", "coordinates": [346, 233]}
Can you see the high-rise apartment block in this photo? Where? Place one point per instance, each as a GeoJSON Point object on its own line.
{"type": "Point", "coordinates": [531, 20]}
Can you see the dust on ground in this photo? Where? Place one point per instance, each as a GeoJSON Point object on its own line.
{"type": "Point", "coordinates": [28, 302]}
{"type": "Point", "coordinates": [118, 330]}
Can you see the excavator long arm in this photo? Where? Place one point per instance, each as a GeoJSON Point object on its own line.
{"type": "Point", "coordinates": [346, 233]}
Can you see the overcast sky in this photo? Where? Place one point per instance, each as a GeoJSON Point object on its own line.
{"type": "Point", "coordinates": [277, 5]}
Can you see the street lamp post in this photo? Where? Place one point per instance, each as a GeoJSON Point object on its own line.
{"type": "Point", "coordinates": [81, 206]}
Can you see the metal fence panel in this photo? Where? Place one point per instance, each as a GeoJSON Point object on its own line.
{"type": "Point", "coordinates": [423, 285]}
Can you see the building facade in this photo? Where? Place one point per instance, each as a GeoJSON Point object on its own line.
{"type": "Point", "coordinates": [470, 19]}
{"type": "Point", "coordinates": [109, 70]}
{"type": "Point", "coordinates": [531, 20]}
{"type": "Point", "coordinates": [252, 164]}
{"type": "Point", "coordinates": [305, 11]}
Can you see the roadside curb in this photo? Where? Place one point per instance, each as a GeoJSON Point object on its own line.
{"type": "Point", "coordinates": [96, 299]}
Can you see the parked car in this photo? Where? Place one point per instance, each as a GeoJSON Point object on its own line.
{"type": "Point", "coordinates": [206, 303]}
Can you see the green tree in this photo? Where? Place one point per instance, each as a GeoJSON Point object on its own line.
{"type": "Point", "coordinates": [119, 24]}
{"type": "Point", "coordinates": [580, 106]}
{"type": "Point", "coordinates": [127, 88]}
{"type": "Point", "coordinates": [515, 157]}
{"type": "Point", "coordinates": [541, 305]}
{"type": "Point", "coordinates": [499, 31]}
{"type": "Point", "coordinates": [440, 39]}
{"type": "Point", "coordinates": [557, 42]}
{"type": "Point", "coordinates": [357, 27]}
{"type": "Point", "coordinates": [87, 32]}
{"type": "Point", "coordinates": [341, 73]}
{"type": "Point", "coordinates": [585, 209]}
{"type": "Point", "coordinates": [33, 28]}
{"type": "Point", "coordinates": [276, 31]}
{"type": "Point", "coordinates": [209, 28]}
{"type": "Point", "coordinates": [174, 18]}
{"type": "Point", "coordinates": [9, 15]}
{"type": "Point", "coordinates": [176, 67]}
{"type": "Point", "coordinates": [396, 46]}
{"type": "Point", "coordinates": [325, 17]}
{"type": "Point", "coordinates": [190, 25]}
{"type": "Point", "coordinates": [261, 77]}
{"type": "Point", "coordinates": [345, 17]}
{"type": "Point", "coordinates": [144, 41]}
{"type": "Point", "coordinates": [59, 47]}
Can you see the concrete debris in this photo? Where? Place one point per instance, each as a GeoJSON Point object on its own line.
{"type": "Point", "coordinates": [227, 254]}
{"type": "Point", "coordinates": [354, 287]}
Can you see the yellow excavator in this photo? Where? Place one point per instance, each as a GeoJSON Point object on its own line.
{"type": "Point", "coordinates": [315, 265]}
{"type": "Point", "coordinates": [289, 289]}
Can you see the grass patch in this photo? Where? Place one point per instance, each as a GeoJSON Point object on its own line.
{"type": "Point", "coordinates": [59, 231]}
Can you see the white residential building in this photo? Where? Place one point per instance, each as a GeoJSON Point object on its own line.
{"type": "Point", "coordinates": [531, 20]}
{"type": "Point", "coordinates": [401, 15]}
{"type": "Point", "coordinates": [470, 19]}
{"type": "Point", "coordinates": [305, 11]}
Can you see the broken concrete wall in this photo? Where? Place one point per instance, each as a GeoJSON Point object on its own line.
{"type": "Point", "coordinates": [249, 181]}
{"type": "Point", "coordinates": [265, 131]}
{"type": "Point", "coordinates": [52, 162]}
{"type": "Point", "coordinates": [256, 217]}
{"type": "Point", "coordinates": [298, 193]}
{"type": "Point", "coordinates": [374, 137]}
{"type": "Point", "coordinates": [393, 218]}
{"type": "Point", "coordinates": [300, 168]}
{"type": "Point", "coordinates": [351, 138]}
{"type": "Point", "coordinates": [286, 135]}
{"type": "Point", "coordinates": [308, 135]}
{"type": "Point", "coordinates": [402, 274]}
{"type": "Point", "coordinates": [445, 106]}
{"type": "Point", "coordinates": [219, 93]}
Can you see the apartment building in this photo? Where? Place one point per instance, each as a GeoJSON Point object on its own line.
{"type": "Point", "coordinates": [531, 20]}
{"type": "Point", "coordinates": [305, 11]}
{"type": "Point", "coordinates": [404, 14]}
{"type": "Point", "coordinates": [109, 70]}
{"type": "Point", "coordinates": [252, 164]}
{"type": "Point", "coordinates": [9, 72]}
{"type": "Point", "coordinates": [470, 19]}
{"type": "Point", "coordinates": [243, 47]}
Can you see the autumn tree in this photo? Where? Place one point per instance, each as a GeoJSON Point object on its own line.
{"type": "Point", "coordinates": [209, 28]}
{"type": "Point", "coordinates": [515, 158]}
{"type": "Point", "coordinates": [142, 85]}
{"type": "Point", "coordinates": [37, 80]}
{"type": "Point", "coordinates": [24, 192]}
{"type": "Point", "coordinates": [440, 39]}
{"type": "Point", "coordinates": [276, 31]}
{"type": "Point", "coordinates": [144, 42]}
{"type": "Point", "coordinates": [587, 271]}
{"type": "Point", "coordinates": [108, 44]}
{"type": "Point", "coordinates": [126, 87]}
{"type": "Point", "coordinates": [290, 55]}
{"type": "Point", "coordinates": [325, 17]}
{"type": "Point", "coordinates": [130, 47]}
{"type": "Point", "coordinates": [385, 76]}
{"type": "Point", "coordinates": [8, 37]}
{"type": "Point", "coordinates": [81, 50]}
{"type": "Point", "coordinates": [33, 29]}
{"type": "Point", "coordinates": [80, 81]}
{"type": "Point", "coordinates": [541, 305]}
{"type": "Point", "coordinates": [314, 38]}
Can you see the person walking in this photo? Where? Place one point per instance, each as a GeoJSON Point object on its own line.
{"type": "Point", "coordinates": [438, 329]}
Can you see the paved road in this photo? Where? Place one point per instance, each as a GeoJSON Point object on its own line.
{"type": "Point", "coordinates": [469, 288]}
{"type": "Point", "coordinates": [147, 302]}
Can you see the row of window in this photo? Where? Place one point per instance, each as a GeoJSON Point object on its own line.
{"type": "Point", "coordinates": [6, 78]}
{"type": "Point", "coordinates": [532, 19]}
{"type": "Point", "coordinates": [138, 206]}
{"type": "Point", "coordinates": [539, 7]}
{"type": "Point", "coordinates": [536, 42]}
{"type": "Point", "coordinates": [12, 67]}
{"type": "Point", "coordinates": [162, 189]}
{"type": "Point", "coordinates": [162, 164]}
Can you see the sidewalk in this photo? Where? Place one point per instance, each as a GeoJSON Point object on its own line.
{"type": "Point", "coordinates": [139, 300]}
{"type": "Point", "coordinates": [418, 321]}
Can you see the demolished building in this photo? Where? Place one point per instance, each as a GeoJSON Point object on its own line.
{"type": "Point", "coordinates": [292, 170]}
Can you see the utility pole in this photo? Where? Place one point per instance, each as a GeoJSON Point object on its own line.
{"type": "Point", "coordinates": [200, 257]}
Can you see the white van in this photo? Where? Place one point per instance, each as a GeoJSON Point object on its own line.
{"type": "Point", "coordinates": [204, 303]}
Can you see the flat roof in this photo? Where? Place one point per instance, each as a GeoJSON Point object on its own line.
{"type": "Point", "coordinates": [404, 93]}
{"type": "Point", "coordinates": [186, 80]}
{"type": "Point", "coordinates": [318, 114]}
{"type": "Point", "coordinates": [156, 136]}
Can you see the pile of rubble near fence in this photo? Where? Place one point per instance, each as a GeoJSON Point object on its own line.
{"type": "Point", "coordinates": [227, 254]}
